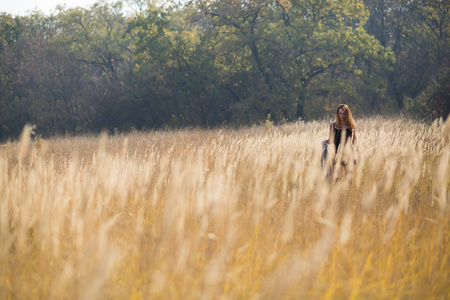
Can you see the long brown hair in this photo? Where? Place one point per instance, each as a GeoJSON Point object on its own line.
{"type": "Point", "coordinates": [348, 117]}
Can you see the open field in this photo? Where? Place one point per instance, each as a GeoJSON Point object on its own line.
{"type": "Point", "coordinates": [227, 214]}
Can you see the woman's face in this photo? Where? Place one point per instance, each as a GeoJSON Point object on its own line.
{"type": "Point", "coordinates": [342, 114]}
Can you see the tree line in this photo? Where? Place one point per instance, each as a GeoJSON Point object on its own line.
{"type": "Point", "coordinates": [220, 62]}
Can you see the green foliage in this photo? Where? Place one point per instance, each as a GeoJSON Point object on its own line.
{"type": "Point", "coordinates": [434, 101]}
{"type": "Point", "coordinates": [209, 62]}
{"type": "Point", "coordinates": [268, 123]}
{"type": "Point", "coordinates": [417, 32]}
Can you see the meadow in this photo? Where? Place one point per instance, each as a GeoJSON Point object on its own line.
{"type": "Point", "coordinates": [227, 214]}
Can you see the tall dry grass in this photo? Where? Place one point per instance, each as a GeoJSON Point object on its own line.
{"type": "Point", "coordinates": [227, 214]}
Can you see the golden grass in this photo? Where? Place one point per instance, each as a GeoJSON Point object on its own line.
{"type": "Point", "coordinates": [227, 214]}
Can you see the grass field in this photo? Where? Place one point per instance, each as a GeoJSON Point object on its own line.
{"type": "Point", "coordinates": [227, 214]}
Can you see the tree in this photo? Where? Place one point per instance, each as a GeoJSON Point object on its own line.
{"type": "Point", "coordinates": [417, 32]}
{"type": "Point", "coordinates": [212, 62]}
{"type": "Point", "coordinates": [13, 113]}
{"type": "Point", "coordinates": [293, 52]}
{"type": "Point", "coordinates": [95, 40]}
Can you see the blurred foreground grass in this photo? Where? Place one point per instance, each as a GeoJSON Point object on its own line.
{"type": "Point", "coordinates": [227, 214]}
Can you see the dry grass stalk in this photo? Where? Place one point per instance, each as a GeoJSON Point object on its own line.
{"type": "Point", "coordinates": [214, 214]}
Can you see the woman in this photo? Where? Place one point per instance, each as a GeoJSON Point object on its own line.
{"type": "Point", "coordinates": [341, 131]}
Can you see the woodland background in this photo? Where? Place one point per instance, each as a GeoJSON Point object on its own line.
{"type": "Point", "coordinates": [211, 63]}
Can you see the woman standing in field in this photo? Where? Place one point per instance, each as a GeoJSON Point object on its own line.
{"type": "Point", "coordinates": [341, 131]}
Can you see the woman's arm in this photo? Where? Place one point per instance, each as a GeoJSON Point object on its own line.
{"type": "Point", "coordinates": [324, 142]}
{"type": "Point", "coordinates": [331, 132]}
{"type": "Point", "coordinates": [354, 137]}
